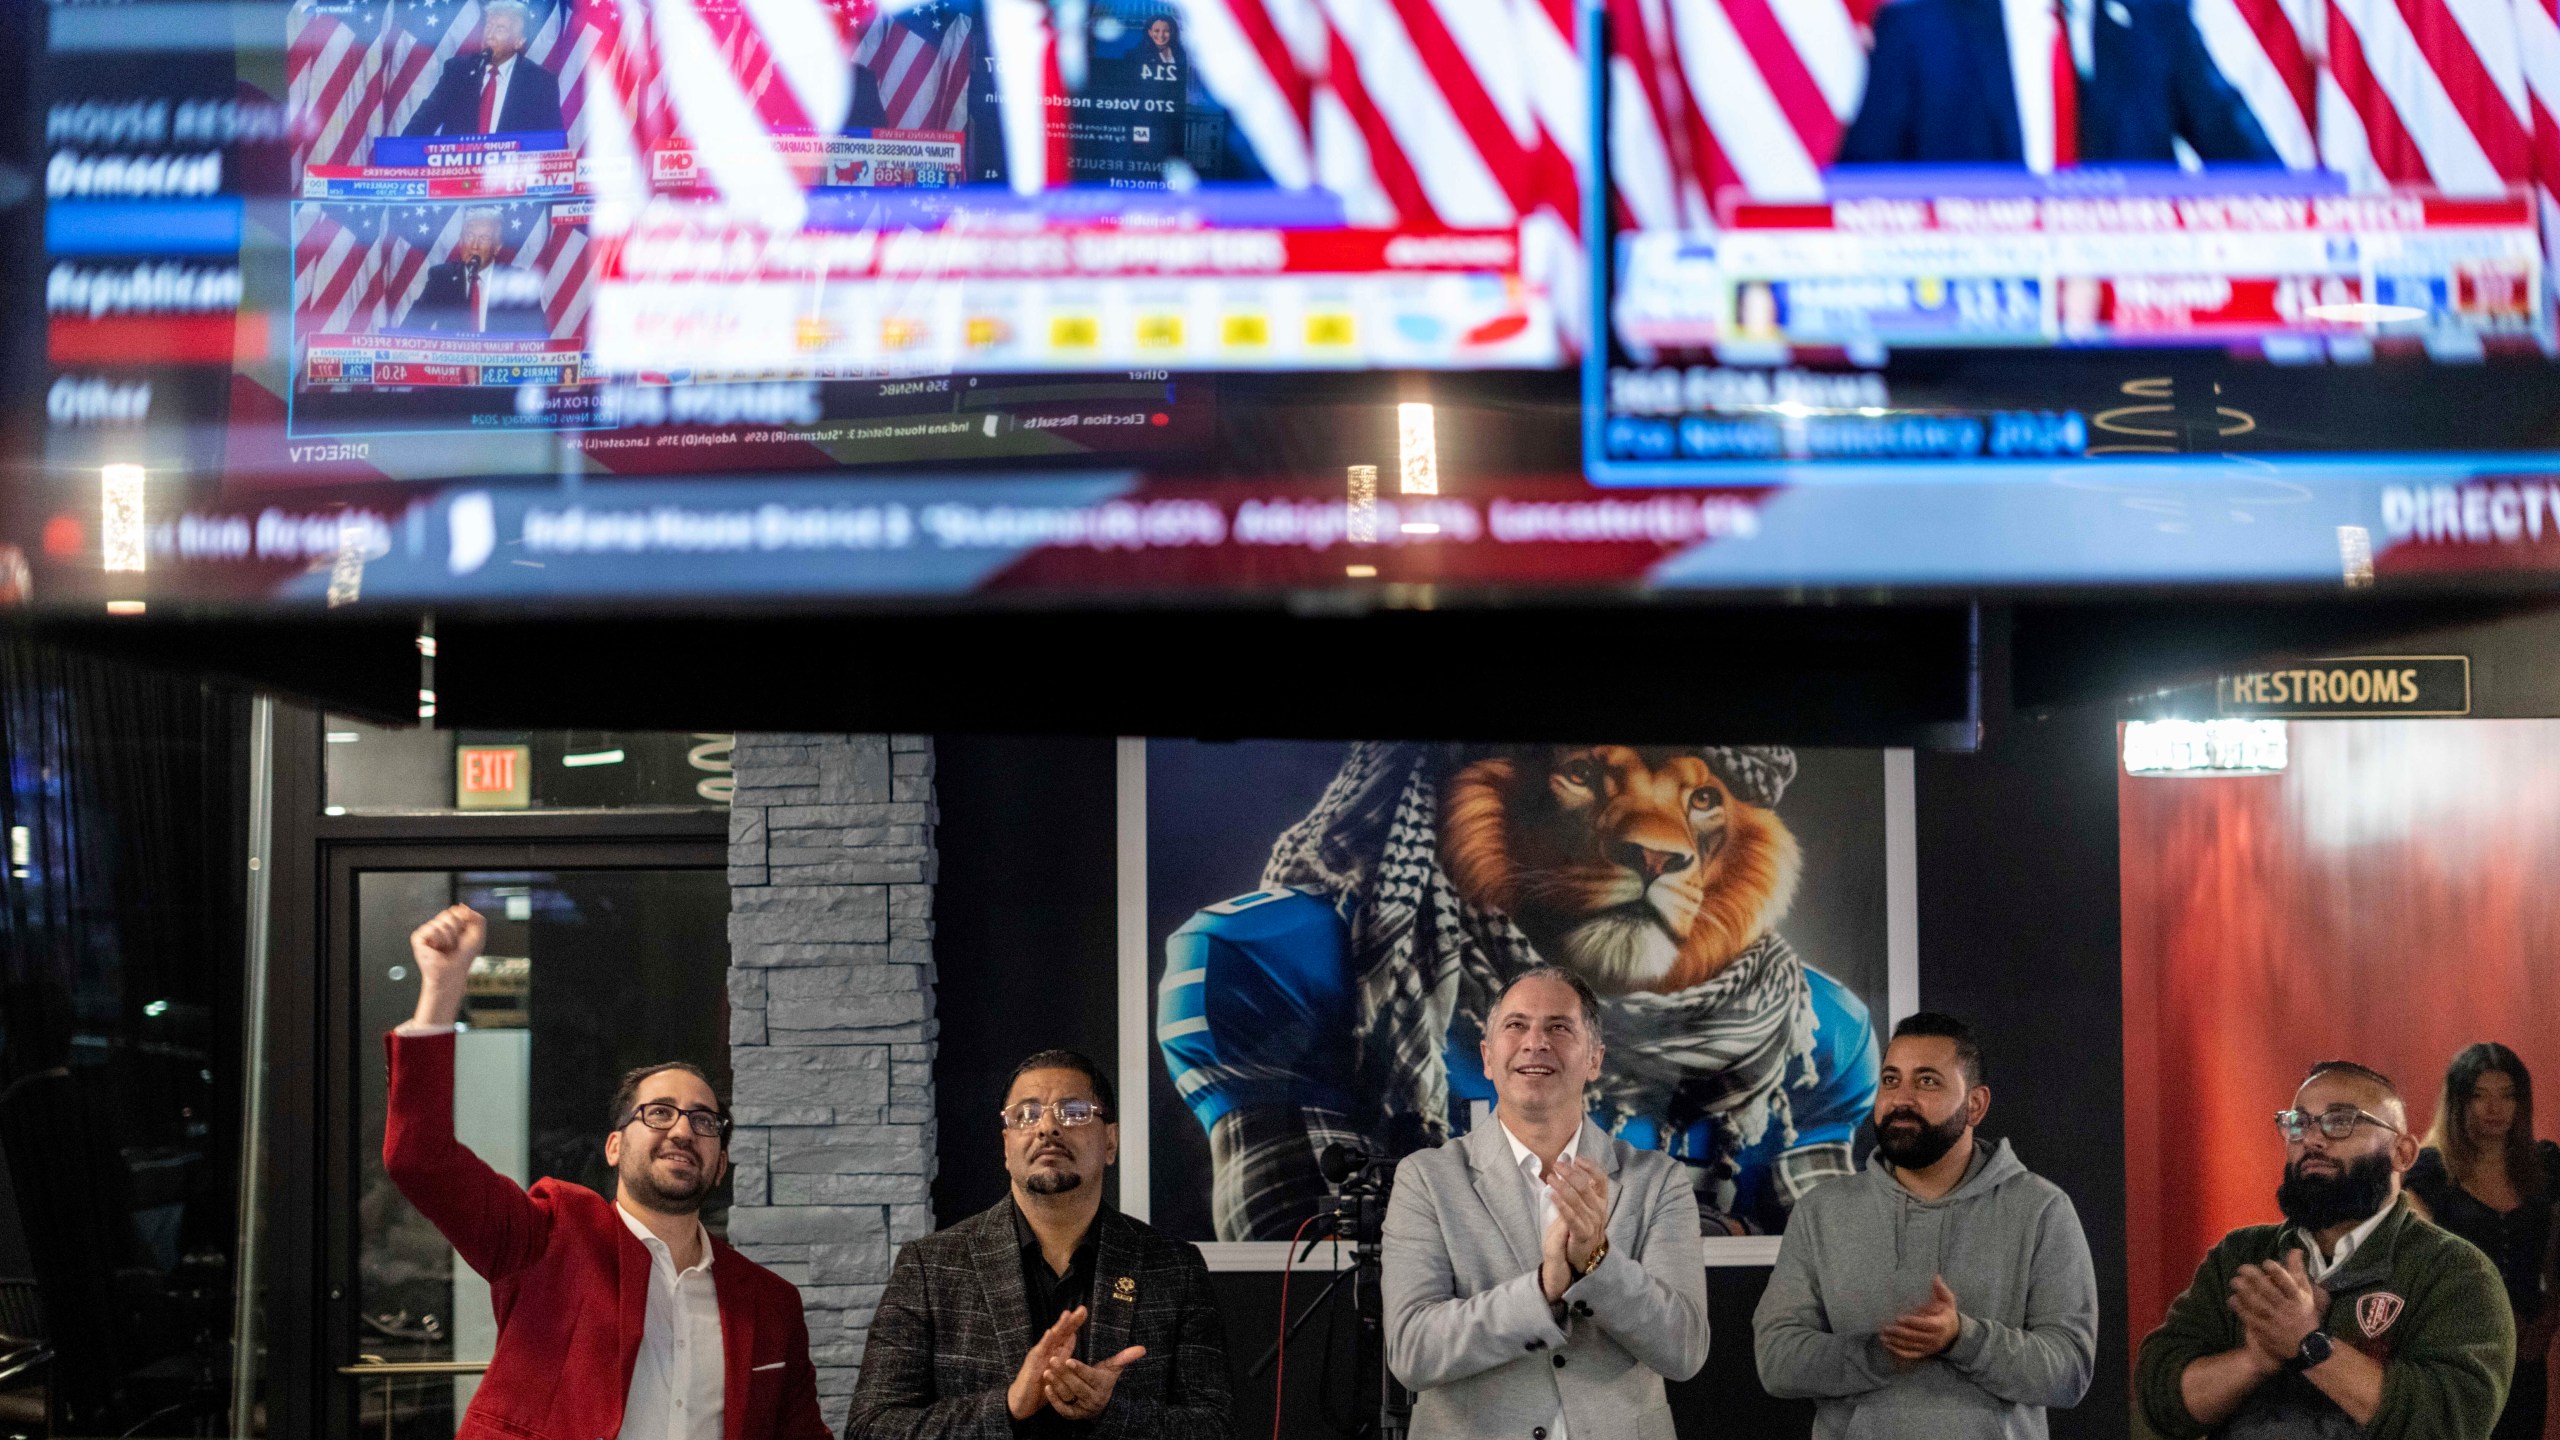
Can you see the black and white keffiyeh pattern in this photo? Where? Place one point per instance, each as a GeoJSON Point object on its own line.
{"type": "Point", "coordinates": [1729, 1048]}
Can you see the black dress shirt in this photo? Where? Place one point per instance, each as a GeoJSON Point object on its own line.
{"type": "Point", "coordinates": [1051, 1295]}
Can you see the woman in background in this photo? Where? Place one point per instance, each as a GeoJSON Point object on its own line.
{"type": "Point", "coordinates": [2484, 1177]}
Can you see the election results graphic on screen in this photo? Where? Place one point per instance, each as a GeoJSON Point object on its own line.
{"type": "Point", "coordinates": [354, 300]}
{"type": "Point", "coordinates": [529, 214]}
{"type": "Point", "coordinates": [1012, 185]}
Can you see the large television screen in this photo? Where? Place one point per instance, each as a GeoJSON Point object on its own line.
{"type": "Point", "coordinates": [586, 196]}
{"type": "Point", "coordinates": [406, 239]}
{"type": "Point", "coordinates": [345, 301]}
{"type": "Point", "coordinates": [346, 260]}
{"type": "Point", "coordinates": [2102, 290]}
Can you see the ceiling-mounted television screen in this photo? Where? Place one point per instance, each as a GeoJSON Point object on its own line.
{"type": "Point", "coordinates": [653, 301]}
{"type": "Point", "coordinates": [310, 270]}
{"type": "Point", "coordinates": [2239, 289]}
{"type": "Point", "coordinates": [578, 196]}
{"type": "Point", "coordinates": [395, 240]}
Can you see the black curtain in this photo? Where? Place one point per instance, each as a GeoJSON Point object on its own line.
{"type": "Point", "coordinates": [121, 931]}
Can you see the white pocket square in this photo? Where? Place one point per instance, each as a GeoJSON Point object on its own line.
{"type": "Point", "coordinates": [776, 1365]}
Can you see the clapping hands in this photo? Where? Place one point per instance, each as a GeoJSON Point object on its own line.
{"type": "Point", "coordinates": [1051, 1374]}
{"type": "Point", "coordinates": [2277, 1305]}
{"type": "Point", "coordinates": [1926, 1331]}
{"type": "Point", "coordinates": [1582, 1222]}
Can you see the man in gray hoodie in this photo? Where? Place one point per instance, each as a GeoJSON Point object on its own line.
{"type": "Point", "coordinates": [1945, 1291]}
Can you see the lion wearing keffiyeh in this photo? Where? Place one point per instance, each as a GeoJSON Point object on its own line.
{"type": "Point", "coordinates": [1344, 1000]}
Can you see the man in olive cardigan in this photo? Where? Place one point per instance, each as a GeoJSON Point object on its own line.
{"type": "Point", "coordinates": [2356, 1319]}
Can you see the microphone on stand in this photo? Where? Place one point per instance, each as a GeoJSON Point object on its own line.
{"type": "Point", "coordinates": [1340, 1162]}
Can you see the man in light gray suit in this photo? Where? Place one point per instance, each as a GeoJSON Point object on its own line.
{"type": "Point", "coordinates": [1542, 1277]}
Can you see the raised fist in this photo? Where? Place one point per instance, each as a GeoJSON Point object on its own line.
{"type": "Point", "coordinates": [444, 948]}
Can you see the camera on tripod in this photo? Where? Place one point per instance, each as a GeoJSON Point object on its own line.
{"type": "Point", "coordinates": [1356, 1211]}
{"type": "Point", "coordinates": [1362, 1183]}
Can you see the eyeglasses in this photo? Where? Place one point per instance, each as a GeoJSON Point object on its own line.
{"type": "Point", "coordinates": [1070, 1113]}
{"type": "Point", "coordinates": [659, 1115]}
{"type": "Point", "coordinates": [2337, 1122]}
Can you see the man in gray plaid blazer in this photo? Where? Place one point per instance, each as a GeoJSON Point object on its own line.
{"type": "Point", "coordinates": [1542, 1276]}
{"type": "Point", "coordinates": [1050, 1315]}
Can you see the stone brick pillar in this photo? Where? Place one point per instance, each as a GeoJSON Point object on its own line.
{"type": "Point", "coordinates": [831, 1028]}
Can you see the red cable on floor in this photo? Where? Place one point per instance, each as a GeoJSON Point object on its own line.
{"type": "Point", "coordinates": [1280, 1370]}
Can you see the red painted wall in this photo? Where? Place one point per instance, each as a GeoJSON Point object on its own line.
{"type": "Point", "coordinates": [2393, 896]}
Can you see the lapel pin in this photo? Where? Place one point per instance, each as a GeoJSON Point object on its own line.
{"type": "Point", "coordinates": [1125, 1288]}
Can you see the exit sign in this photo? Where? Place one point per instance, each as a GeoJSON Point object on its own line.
{"type": "Point", "coordinates": [493, 777]}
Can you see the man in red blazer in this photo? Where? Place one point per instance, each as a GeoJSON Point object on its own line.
{"type": "Point", "coordinates": [616, 1318]}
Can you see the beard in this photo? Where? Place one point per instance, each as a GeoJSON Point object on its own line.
{"type": "Point", "coordinates": [1051, 1182]}
{"type": "Point", "coordinates": [684, 1197]}
{"type": "Point", "coordinates": [1908, 1141]}
{"type": "Point", "coordinates": [2317, 1202]}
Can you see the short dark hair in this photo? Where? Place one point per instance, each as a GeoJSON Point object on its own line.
{"type": "Point", "coordinates": [1077, 1061]}
{"type": "Point", "coordinates": [2350, 1067]}
{"type": "Point", "coordinates": [1940, 1025]}
{"type": "Point", "coordinates": [626, 1096]}
{"type": "Point", "coordinates": [1582, 991]}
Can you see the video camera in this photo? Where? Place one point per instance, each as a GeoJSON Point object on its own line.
{"type": "Point", "coordinates": [1362, 1183]}
{"type": "Point", "coordinates": [1356, 1211]}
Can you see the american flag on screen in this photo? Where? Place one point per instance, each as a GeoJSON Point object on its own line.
{"type": "Point", "coordinates": [1427, 113]}
{"type": "Point", "coordinates": [719, 77]}
{"type": "Point", "coordinates": [1468, 114]}
{"type": "Point", "coordinates": [919, 64]}
{"type": "Point", "coordinates": [359, 268]}
{"type": "Point", "coordinates": [337, 268]}
{"type": "Point", "coordinates": [359, 69]}
{"type": "Point", "coordinates": [1718, 93]}
{"type": "Point", "coordinates": [333, 81]}
{"type": "Point", "coordinates": [2454, 95]}
{"type": "Point", "coordinates": [1463, 113]}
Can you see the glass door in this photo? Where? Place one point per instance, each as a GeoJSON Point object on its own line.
{"type": "Point", "coordinates": [588, 973]}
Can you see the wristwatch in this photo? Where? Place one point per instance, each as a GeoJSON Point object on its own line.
{"type": "Point", "coordinates": [2315, 1348]}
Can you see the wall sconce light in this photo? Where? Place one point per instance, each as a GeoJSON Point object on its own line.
{"type": "Point", "coordinates": [2204, 747]}
{"type": "Point", "coordinates": [1360, 521]}
{"type": "Point", "coordinates": [1418, 447]}
{"type": "Point", "coordinates": [120, 516]}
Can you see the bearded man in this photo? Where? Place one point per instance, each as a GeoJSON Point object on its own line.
{"type": "Point", "coordinates": [1345, 1001]}
{"type": "Point", "coordinates": [720, 1350]}
{"type": "Point", "coordinates": [1049, 1315]}
{"type": "Point", "coordinates": [1946, 1291]}
{"type": "Point", "coordinates": [2354, 1318]}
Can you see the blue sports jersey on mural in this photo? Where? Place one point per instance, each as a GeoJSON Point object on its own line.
{"type": "Point", "coordinates": [1343, 1001]}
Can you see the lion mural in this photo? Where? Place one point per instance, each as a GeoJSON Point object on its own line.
{"type": "Point", "coordinates": [1343, 1000]}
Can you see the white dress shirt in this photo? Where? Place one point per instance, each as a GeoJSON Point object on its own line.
{"type": "Point", "coordinates": [676, 1386]}
{"type": "Point", "coordinates": [1542, 1204]}
{"type": "Point", "coordinates": [2029, 26]}
{"type": "Point", "coordinates": [2320, 1270]}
